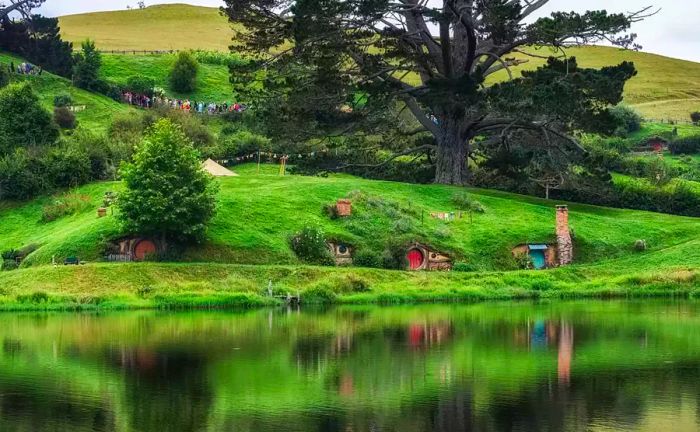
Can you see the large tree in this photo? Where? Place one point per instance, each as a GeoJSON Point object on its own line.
{"type": "Point", "coordinates": [432, 58]}
{"type": "Point", "coordinates": [23, 7]}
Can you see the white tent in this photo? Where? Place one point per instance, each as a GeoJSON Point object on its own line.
{"type": "Point", "coordinates": [217, 170]}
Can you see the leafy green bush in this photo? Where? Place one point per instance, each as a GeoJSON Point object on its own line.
{"type": "Point", "coordinates": [21, 176]}
{"type": "Point", "coordinates": [167, 194]}
{"type": "Point", "coordinates": [627, 119]}
{"type": "Point", "coordinates": [464, 267]}
{"type": "Point", "coordinates": [687, 145]}
{"type": "Point", "coordinates": [463, 201]}
{"type": "Point", "coordinates": [62, 100]}
{"type": "Point", "coordinates": [394, 256]}
{"type": "Point", "coordinates": [183, 76]}
{"type": "Point", "coordinates": [319, 294]}
{"type": "Point", "coordinates": [65, 205]}
{"type": "Point", "coordinates": [64, 118]}
{"type": "Point", "coordinates": [67, 166]}
{"type": "Point", "coordinates": [310, 246]}
{"type": "Point", "coordinates": [640, 245]}
{"type": "Point", "coordinates": [367, 259]}
{"type": "Point", "coordinates": [217, 58]}
{"type": "Point", "coordinates": [140, 85]}
{"type": "Point", "coordinates": [240, 143]}
{"type": "Point", "coordinates": [23, 120]}
{"type": "Point", "coordinates": [8, 265]}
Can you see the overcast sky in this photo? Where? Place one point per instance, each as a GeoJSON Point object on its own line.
{"type": "Point", "coordinates": [671, 32]}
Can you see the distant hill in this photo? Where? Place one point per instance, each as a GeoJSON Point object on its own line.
{"type": "Point", "coordinates": [161, 27]}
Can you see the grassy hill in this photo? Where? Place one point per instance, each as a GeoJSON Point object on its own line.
{"type": "Point", "coordinates": [665, 88]}
{"type": "Point", "coordinates": [161, 27]}
{"type": "Point", "coordinates": [99, 110]}
{"type": "Point", "coordinates": [258, 213]}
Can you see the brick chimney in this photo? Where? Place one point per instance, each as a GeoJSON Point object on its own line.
{"type": "Point", "coordinates": [565, 247]}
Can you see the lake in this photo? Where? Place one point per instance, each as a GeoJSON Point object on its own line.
{"type": "Point", "coordinates": [593, 366]}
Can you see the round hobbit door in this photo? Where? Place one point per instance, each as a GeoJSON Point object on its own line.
{"type": "Point", "coordinates": [144, 248]}
{"type": "Point", "coordinates": [415, 259]}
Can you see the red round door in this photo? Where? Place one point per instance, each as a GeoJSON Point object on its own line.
{"type": "Point", "coordinates": [143, 248]}
{"type": "Point", "coordinates": [415, 259]}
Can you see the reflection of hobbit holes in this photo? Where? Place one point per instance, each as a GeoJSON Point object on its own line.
{"type": "Point", "coordinates": [422, 257]}
{"type": "Point", "coordinates": [342, 253]}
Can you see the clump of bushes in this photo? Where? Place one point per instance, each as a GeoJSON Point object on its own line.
{"type": "Point", "coordinates": [62, 100]}
{"type": "Point", "coordinates": [9, 260]}
{"type": "Point", "coordinates": [367, 259]}
{"type": "Point", "coordinates": [627, 119]}
{"type": "Point", "coordinates": [64, 118]}
{"type": "Point", "coordinates": [310, 246]}
{"type": "Point", "coordinates": [464, 201]}
{"type": "Point", "coordinates": [687, 145]}
{"type": "Point", "coordinates": [65, 205]}
{"type": "Point", "coordinates": [463, 267]}
{"type": "Point", "coordinates": [394, 256]}
{"type": "Point", "coordinates": [640, 245]}
{"type": "Point", "coordinates": [141, 85]}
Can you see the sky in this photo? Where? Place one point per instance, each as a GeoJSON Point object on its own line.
{"type": "Point", "coordinates": [672, 32]}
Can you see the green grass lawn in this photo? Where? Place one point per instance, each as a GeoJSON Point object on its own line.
{"type": "Point", "coordinates": [212, 80]}
{"type": "Point", "coordinates": [99, 110]}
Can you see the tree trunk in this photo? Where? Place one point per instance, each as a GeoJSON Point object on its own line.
{"type": "Point", "coordinates": [452, 151]}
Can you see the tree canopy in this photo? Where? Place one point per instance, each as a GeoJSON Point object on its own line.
{"type": "Point", "coordinates": [86, 68]}
{"type": "Point", "coordinates": [23, 121]}
{"type": "Point", "coordinates": [168, 194]}
{"type": "Point", "coordinates": [335, 63]}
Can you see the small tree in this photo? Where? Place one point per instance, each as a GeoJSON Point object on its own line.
{"type": "Point", "coordinates": [64, 118]}
{"type": "Point", "coordinates": [86, 67]}
{"type": "Point", "coordinates": [23, 121]}
{"type": "Point", "coordinates": [183, 76]}
{"type": "Point", "coordinates": [141, 85]}
{"type": "Point", "coordinates": [694, 117]}
{"type": "Point", "coordinates": [168, 194]}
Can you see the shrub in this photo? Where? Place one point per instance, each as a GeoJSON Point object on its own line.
{"type": "Point", "coordinates": [64, 118]}
{"type": "Point", "coordinates": [463, 201]}
{"type": "Point", "coordinates": [310, 246]}
{"type": "Point", "coordinates": [96, 146]}
{"type": "Point", "coordinates": [319, 294]}
{"type": "Point", "coordinates": [141, 85]}
{"type": "Point", "coordinates": [240, 143]}
{"type": "Point", "coordinates": [394, 256]}
{"type": "Point", "coordinates": [330, 210]}
{"type": "Point", "coordinates": [687, 145]}
{"type": "Point", "coordinates": [21, 176]}
{"type": "Point", "coordinates": [23, 120]}
{"type": "Point", "coordinates": [67, 166]}
{"type": "Point", "coordinates": [62, 100]}
{"type": "Point", "coordinates": [8, 265]}
{"type": "Point", "coordinates": [65, 205]}
{"type": "Point", "coordinates": [464, 267]}
{"type": "Point", "coordinates": [10, 254]}
{"type": "Point", "coordinates": [167, 194]}
{"type": "Point", "coordinates": [627, 119]}
{"type": "Point", "coordinates": [367, 259]}
{"type": "Point", "coordinates": [183, 76]}
{"type": "Point", "coordinates": [694, 116]}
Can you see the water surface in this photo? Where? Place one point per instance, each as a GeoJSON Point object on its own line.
{"type": "Point", "coordinates": [492, 367]}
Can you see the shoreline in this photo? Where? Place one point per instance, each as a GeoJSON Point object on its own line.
{"type": "Point", "coordinates": [203, 286]}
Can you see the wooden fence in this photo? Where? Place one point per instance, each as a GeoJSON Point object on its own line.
{"type": "Point", "coordinates": [139, 52]}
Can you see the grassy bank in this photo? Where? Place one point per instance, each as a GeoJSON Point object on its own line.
{"type": "Point", "coordinates": [187, 286]}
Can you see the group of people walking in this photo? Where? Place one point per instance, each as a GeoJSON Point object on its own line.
{"type": "Point", "coordinates": [197, 107]}
{"type": "Point", "coordinates": [25, 69]}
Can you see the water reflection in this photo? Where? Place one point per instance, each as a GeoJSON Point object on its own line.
{"type": "Point", "coordinates": [572, 366]}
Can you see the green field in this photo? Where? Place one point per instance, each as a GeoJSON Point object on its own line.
{"type": "Point", "coordinates": [161, 27]}
{"type": "Point", "coordinates": [259, 212]}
